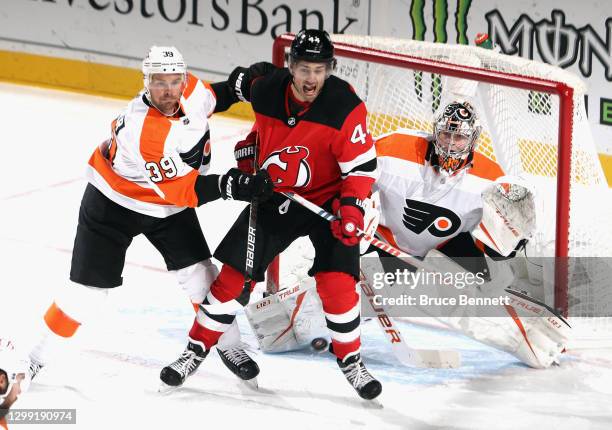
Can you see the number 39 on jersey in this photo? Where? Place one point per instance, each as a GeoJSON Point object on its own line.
{"type": "Point", "coordinates": [165, 169]}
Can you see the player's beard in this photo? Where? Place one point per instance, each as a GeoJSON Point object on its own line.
{"type": "Point", "coordinates": [167, 105]}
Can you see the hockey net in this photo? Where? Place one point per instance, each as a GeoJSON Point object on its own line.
{"type": "Point", "coordinates": [534, 124]}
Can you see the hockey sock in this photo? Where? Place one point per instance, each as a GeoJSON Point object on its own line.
{"type": "Point", "coordinates": [341, 306]}
{"type": "Point", "coordinates": [208, 328]}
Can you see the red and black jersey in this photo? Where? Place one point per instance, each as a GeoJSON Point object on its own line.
{"type": "Point", "coordinates": [323, 151]}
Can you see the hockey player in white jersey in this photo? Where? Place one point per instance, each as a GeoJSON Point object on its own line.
{"type": "Point", "coordinates": [431, 193]}
{"type": "Point", "coordinates": [147, 178]}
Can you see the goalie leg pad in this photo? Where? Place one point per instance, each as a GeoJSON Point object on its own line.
{"type": "Point", "coordinates": [537, 341]}
{"type": "Point", "coordinates": [289, 319]}
{"type": "Point", "coordinates": [271, 324]}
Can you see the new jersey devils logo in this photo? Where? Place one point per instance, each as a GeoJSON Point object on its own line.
{"type": "Point", "coordinates": [288, 167]}
{"type": "Point", "coordinates": [439, 222]}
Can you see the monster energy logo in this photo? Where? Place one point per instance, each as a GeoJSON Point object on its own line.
{"type": "Point", "coordinates": [440, 19]}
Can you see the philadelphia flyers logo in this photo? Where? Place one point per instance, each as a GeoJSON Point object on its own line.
{"type": "Point", "coordinates": [439, 222]}
{"type": "Point", "coordinates": [207, 153]}
{"type": "Point", "coordinates": [200, 154]}
{"type": "Point", "coordinates": [288, 167]}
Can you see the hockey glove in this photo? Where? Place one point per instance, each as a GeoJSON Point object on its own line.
{"type": "Point", "coordinates": [236, 185]}
{"type": "Point", "coordinates": [241, 78]}
{"type": "Point", "coordinates": [244, 153]}
{"type": "Point", "coordinates": [350, 214]}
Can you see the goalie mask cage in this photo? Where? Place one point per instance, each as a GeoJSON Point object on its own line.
{"type": "Point", "coordinates": [534, 124]}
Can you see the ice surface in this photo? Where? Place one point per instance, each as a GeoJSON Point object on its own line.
{"type": "Point", "coordinates": [109, 371]}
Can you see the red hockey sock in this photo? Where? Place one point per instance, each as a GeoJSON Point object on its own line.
{"type": "Point", "coordinates": [208, 328]}
{"type": "Point", "coordinates": [341, 306]}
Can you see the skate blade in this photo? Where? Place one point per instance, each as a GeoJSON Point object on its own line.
{"type": "Point", "coordinates": [251, 383]}
{"type": "Point", "coordinates": [165, 389]}
{"type": "Point", "coordinates": [373, 404]}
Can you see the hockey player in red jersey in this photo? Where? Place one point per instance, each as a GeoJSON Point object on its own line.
{"type": "Point", "coordinates": [436, 195]}
{"type": "Point", "coordinates": [311, 138]}
{"type": "Point", "coordinates": [147, 178]}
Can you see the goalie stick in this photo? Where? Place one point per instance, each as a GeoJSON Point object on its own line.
{"type": "Point", "coordinates": [405, 354]}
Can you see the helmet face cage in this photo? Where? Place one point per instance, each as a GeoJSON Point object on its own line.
{"type": "Point", "coordinates": [164, 60]}
{"type": "Point", "coordinates": [314, 46]}
{"type": "Point", "coordinates": [456, 130]}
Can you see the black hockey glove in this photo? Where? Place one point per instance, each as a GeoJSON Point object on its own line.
{"type": "Point", "coordinates": [241, 78]}
{"type": "Point", "coordinates": [238, 185]}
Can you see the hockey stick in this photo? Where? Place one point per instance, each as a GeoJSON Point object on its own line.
{"type": "Point", "coordinates": [244, 297]}
{"type": "Point", "coordinates": [404, 353]}
{"type": "Point", "coordinates": [234, 305]}
{"type": "Point", "coordinates": [407, 355]}
{"type": "Point", "coordinates": [405, 257]}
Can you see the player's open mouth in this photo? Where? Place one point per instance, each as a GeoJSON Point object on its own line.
{"type": "Point", "coordinates": [309, 90]}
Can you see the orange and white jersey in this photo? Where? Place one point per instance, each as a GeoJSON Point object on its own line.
{"type": "Point", "coordinates": [151, 161]}
{"type": "Point", "coordinates": [421, 209]}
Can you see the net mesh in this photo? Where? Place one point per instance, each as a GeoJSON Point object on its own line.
{"type": "Point", "coordinates": [520, 132]}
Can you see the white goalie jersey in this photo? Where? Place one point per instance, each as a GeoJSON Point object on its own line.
{"type": "Point", "coordinates": [421, 209]}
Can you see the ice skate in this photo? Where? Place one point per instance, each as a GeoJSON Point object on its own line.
{"type": "Point", "coordinates": [238, 361]}
{"type": "Point", "coordinates": [358, 376]}
{"type": "Point", "coordinates": [175, 373]}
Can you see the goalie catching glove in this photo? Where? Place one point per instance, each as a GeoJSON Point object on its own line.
{"type": "Point", "coordinates": [508, 215]}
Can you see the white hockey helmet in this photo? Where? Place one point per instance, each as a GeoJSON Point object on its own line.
{"type": "Point", "coordinates": [162, 59]}
{"type": "Point", "coordinates": [456, 130]}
